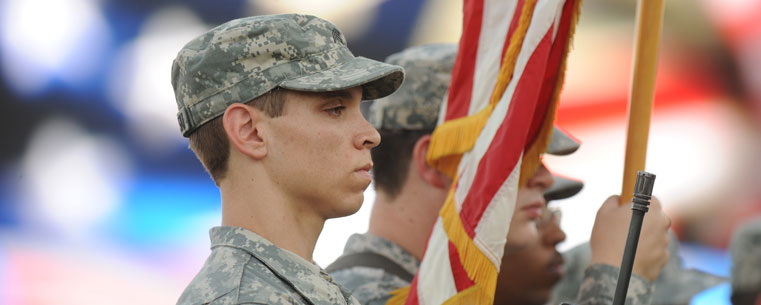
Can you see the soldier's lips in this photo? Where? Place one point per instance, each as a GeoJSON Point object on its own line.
{"type": "Point", "coordinates": [557, 267]}
{"type": "Point", "coordinates": [364, 172]}
{"type": "Point", "coordinates": [533, 211]}
{"type": "Point", "coordinates": [558, 270]}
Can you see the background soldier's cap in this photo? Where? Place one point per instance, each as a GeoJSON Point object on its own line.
{"type": "Point", "coordinates": [246, 58]}
{"type": "Point", "coordinates": [562, 188]}
{"type": "Point", "coordinates": [745, 247]}
{"type": "Point", "coordinates": [562, 144]}
{"type": "Point", "coordinates": [415, 106]}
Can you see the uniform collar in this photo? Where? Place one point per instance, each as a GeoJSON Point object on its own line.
{"type": "Point", "coordinates": [298, 272]}
{"type": "Point", "coordinates": [367, 242]}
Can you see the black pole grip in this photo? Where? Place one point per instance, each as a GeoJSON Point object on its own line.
{"type": "Point", "coordinates": [643, 190]}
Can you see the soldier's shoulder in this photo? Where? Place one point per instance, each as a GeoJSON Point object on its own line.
{"type": "Point", "coordinates": [260, 285]}
{"type": "Point", "coordinates": [368, 285]}
{"type": "Point", "coordinates": [232, 276]}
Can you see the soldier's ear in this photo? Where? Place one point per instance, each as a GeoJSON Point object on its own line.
{"type": "Point", "coordinates": [243, 126]}
{"type": "Point", "coordinates": [429, 174]}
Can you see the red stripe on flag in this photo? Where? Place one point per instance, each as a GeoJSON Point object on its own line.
{"type": "Point", "coordinates": [412, 297]}
{"type": "Point", "coordinates": [461, 279]}
{"type": "Point", "coordinates": [461, 85]}
{"type": "Point", "coordinates": [513, 25]}
{"type": "Point", "coordinates": [506, 147]}
{"type": "Point", "coordinates": [552, 71]}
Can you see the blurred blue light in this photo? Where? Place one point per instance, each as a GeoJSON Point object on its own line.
{"type": "Point", "coordinates": [8, 213]}
{"type": "Point", "coordinates": [161, 210]}
{"type": "Point", "coordinates": [705, 258]}
{"type": "Point", "coordinates": [712, 260]}
{"type": "Point", "coordinates": [718, 295]}
{"type": "Point", "coordinates": [51, 42]}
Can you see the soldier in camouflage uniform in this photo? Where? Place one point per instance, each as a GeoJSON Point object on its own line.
{"type": "Point", "coordinates": [745, 248]}
{"type": "Point", "coordinates": [271, 108]}
{"type": "Point", "coordinates": [387, 257]}
{"type": "Point", "coordinates": [674, 286]}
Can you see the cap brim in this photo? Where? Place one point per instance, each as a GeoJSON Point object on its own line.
{"type": "Point", "coordinates": [562, 188]}
{"type": "Point", "coordinates": [376, 78]}
{"type": "Point", "coordinates": [562, 144]}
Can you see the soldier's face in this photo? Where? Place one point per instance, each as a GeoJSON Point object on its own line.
{"type": "Point", "coordinates": [528, 209]}
{"type": "Point", "coordinates": [527, 276]}
{"type": "Point", "coordinates": [319, 151]}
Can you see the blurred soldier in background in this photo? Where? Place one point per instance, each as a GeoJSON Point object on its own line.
{"type": "Point", "coordinates": [410, 194]}
{"type": "Point", "coordinates": [527, 275]}
{"type": "Point", "coordinates": [745, 247]}
{"type": "Point", "coordinates": [675, 285]}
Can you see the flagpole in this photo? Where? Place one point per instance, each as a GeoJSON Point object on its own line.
{"type": "Point", "coordinates": [649, 25]}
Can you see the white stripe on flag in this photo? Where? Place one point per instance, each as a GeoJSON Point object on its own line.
{"type": "Point", "coordinates": [544, 16]}
{"type": "Point", "coordinates": [470, 160]}
{"type": "Point", "coordinates": [491, 232]}
{"type": "Point", "coordinates": [558, 16]}
{"type": "Point", "coordinates": [435, 280]}
{"type": "Point", "coordinates": [496, 20]}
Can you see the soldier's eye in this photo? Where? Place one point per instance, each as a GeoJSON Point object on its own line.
{"type": "Point", "coordinates": [336, 111]}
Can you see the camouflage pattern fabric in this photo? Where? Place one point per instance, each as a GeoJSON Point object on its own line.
{"type": "Point", "coordinates": [678, 285]}
{"type": "Point", "coordinates": [245, 268]}
{"type": "Point", "coordinates": [246, 58]}
{"type": "Point", "coordinates": [674, 285]}
{"type": "Point", "coordinates": [415, 106]}
{"type": "Point", "coordinates": [745, 248]}
{"type": "Point", "coordinates": [599, 287]}
{"type": "Point", "coordinates": [372, 285]}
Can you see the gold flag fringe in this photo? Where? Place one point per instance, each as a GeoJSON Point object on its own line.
{"type": "Point", "coordinates": [532, 157]}
{"type": "Point", "coordinates": [457, 136]}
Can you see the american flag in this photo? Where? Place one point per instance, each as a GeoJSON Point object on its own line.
{"type": "Point", "coordinates": [495, 124]}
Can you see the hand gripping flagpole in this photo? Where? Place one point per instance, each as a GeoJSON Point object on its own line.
{"type": "Point", "coordinates": [649, 24]}
{"type": "Point", "coordinates": [643, 189]}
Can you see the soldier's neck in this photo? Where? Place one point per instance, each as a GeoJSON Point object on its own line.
{"type": "Point", "coordinates": [258, 208]}
{"type": "Point", "coordinates": [402, 221]}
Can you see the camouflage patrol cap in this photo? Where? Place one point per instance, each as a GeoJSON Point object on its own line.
{"type": "Point", "coordinates": [415, 106]}
{"type": "Point", "coordinates": [562, 188]}
{"type": "Point", "coordinates": [562, 144]}
{"type": "Point", "coordinates": [745, 247]}
{"type": "Point", "coordinates": [245, 58]}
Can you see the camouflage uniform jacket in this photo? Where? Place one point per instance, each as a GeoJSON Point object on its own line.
{"type": "Point", "coordinates": [245, 268]}
{"type": "Point", "coordinates": [372, 286]}
{"type": "Point", "coordinates": [599, 286]}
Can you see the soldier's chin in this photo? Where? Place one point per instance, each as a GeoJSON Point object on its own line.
{"type": "Point", "coordinates": [348, 207]}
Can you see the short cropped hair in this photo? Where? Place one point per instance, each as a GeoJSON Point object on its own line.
{"type": "Point", "coordinates": [392, 159]}
{"type": "Point", "coordinates": [210, 142]}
